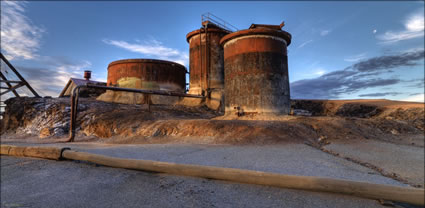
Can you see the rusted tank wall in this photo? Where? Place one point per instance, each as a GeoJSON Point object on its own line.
{"type": "Point", "coordinates": [152, 74]}
{"type": "Point", "coordinates": [206, 64]}
{"type": "Point", "coordinates": [144, 74]}
{"type": "Point", "coordinates": [256, 71]}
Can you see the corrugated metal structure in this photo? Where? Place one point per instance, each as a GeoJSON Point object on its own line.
{"type": "Point", "coordinates": [148, 74]}
{"type": "Point", "coordinates": [256, 70]}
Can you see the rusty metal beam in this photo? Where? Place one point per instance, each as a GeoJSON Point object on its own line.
{"type": "Point", "coordinates": [8, 84]}
{"type": "Point", "coordinates": [19, 75]}
{"type": "Point", "coordinates": [13, 88]}
{"type": "Point", "coordinates": [10, 81]}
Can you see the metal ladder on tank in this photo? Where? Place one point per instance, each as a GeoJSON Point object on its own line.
{"type": "Point", "coordinates": [205, 20]}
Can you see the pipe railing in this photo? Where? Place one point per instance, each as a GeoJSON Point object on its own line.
{"type": "Point", "coordinates": [76, 91]}
{"type": "Point", "coordinates": [218, 21]}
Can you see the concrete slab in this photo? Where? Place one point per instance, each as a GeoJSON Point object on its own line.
{"type": "Point", "coordinates": [294, 159]}
{"type": "Point", "coordinates": [28, 182]}
{"type": "Point", "coordinates": [404, 160]}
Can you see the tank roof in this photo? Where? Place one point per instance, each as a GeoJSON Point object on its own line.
{"type": "Point", "coordinates": [144, 61]}
{"type": "Point", "coordinates": [259, 30]}
{"type": "Point", "coordinates": [210, 29]}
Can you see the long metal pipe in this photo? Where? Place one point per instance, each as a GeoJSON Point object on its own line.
{"type": "Point", "coordinates": [154, 92]}
{"type": "Point", "coordinates": [76, 91]}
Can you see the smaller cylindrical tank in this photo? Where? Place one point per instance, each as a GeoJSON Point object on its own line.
{"type": "Point", "coordinates": [206, 58]}
{"type": "Point", "coordinates": [256, 70]}
{"type": "Point", "coordinates": [149, 74]}
{"type": "Point", "coordinates": [206, 64]}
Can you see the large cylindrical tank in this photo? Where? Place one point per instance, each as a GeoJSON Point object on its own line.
{"type": "Point", "coordinates": [148, 74]}
{"type": "Point", "coordinates": [206, 64]}
{"type": "Point", "coordinates": [256, 71]}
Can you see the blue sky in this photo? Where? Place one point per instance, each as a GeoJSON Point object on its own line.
{"type": "Point", "coordinates": [339, 50]}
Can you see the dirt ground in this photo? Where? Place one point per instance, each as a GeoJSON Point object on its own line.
{"type": "Point", "coordinates": [332, 126]}
{"type": "Point", "coordinates": [373, 138]}
{"type": "Point", "coordinates": [391, 121]}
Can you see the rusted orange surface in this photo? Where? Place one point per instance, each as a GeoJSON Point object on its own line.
{"type": "Point", "coordinates": [206, 58]}
{"type": "Point", "coordinates": [258, 45]}
{"type": "Point", "coordinates": [148, 70]}
{"type": "Point", "coordinates": [256, 71]}
{"type": "Point", "coordinates": [258, 31]}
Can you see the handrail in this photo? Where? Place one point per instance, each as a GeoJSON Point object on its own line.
{"type": "Point", "coordinates": [76, 91]}
{"type": "Point", "coordinates": [218, 21]}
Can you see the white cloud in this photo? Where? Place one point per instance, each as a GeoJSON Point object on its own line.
{"type": "Point", "coordinates": [319, 72]}
{"type": "Point", "coordinates": [20, 38]}
{"type": "Point", "coordinates": [356, 58]}
{"type": "Point", "coordinates": [414, 28]}
{"type": "Point", "coordinates": [305, 43]}
{"type": "Point", "coordinates": [324, 32]}
{"type": "Point", "coordinates": [152, 48]}
{"type": "Point", "coordinates": [374, 31]}
{"type": "Point", "coordinates": [415, 98]}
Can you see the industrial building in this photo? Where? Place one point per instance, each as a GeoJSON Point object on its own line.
{"type": "Point", "coordinates": [234, 72]}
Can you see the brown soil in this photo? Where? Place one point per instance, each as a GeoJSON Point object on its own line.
{"type": "Point", "coordinates": [392, 121]}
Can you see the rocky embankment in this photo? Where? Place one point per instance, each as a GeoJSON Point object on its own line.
{"type": "Point", "coordinates": [397, 122]}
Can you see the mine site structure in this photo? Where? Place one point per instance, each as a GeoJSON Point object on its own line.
{"type": "Point", "coordinates": [211, 41]}
{"type": "Point", "coordinates": [76, 92]}
{"type": "Point", "coordinates": [231, 71]}
{"type": "Point", "coordinates": [11, 85]}
{"type": "Point", "coordinates": [19, 83]}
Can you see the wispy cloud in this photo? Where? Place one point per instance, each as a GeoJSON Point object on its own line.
{"type": "Point", "coordinates": [356, 58]}
{"type": "Point", "coordinates": [152, 48]}
{"type": "Point", "coordinates": [380, 94]}
{"type": "Point", "coordinates": [414, 28]}
{"type": "Point", "coordinates": [362, 75]}
{"type": "Point", "coordinates": [325, 32]}
{"type": "Point", "coordinates": [20, 38]}
{"type": "Point", "coordinates": [305, 43]}
{"type": "Point", "coordinates": [390, 61]}
{"type": "Point", "coordinates": [319, 72]}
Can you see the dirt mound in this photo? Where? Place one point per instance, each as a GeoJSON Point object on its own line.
{"type": "Point", "coordinates": [410, 112]}
{"type": "Point", "coordinates": [120, 123]}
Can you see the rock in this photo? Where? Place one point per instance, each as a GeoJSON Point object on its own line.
{"type": "Point", "coordinates": [301, 112]}
{"type": "Point", "coordinates": [395, 132]}
{"type": "Point", "coordinates": [45, 132]}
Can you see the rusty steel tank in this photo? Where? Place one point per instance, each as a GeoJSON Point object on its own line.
{"type": "Point", "coordinates": [256, 70]}
{"type": "Point", "coordinates": [206, 63]}
{"type": "Point", "coordinates": [149, 74]}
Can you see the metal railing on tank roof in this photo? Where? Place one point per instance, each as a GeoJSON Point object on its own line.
{"type": "Point", "coordinates": [218, 21]}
